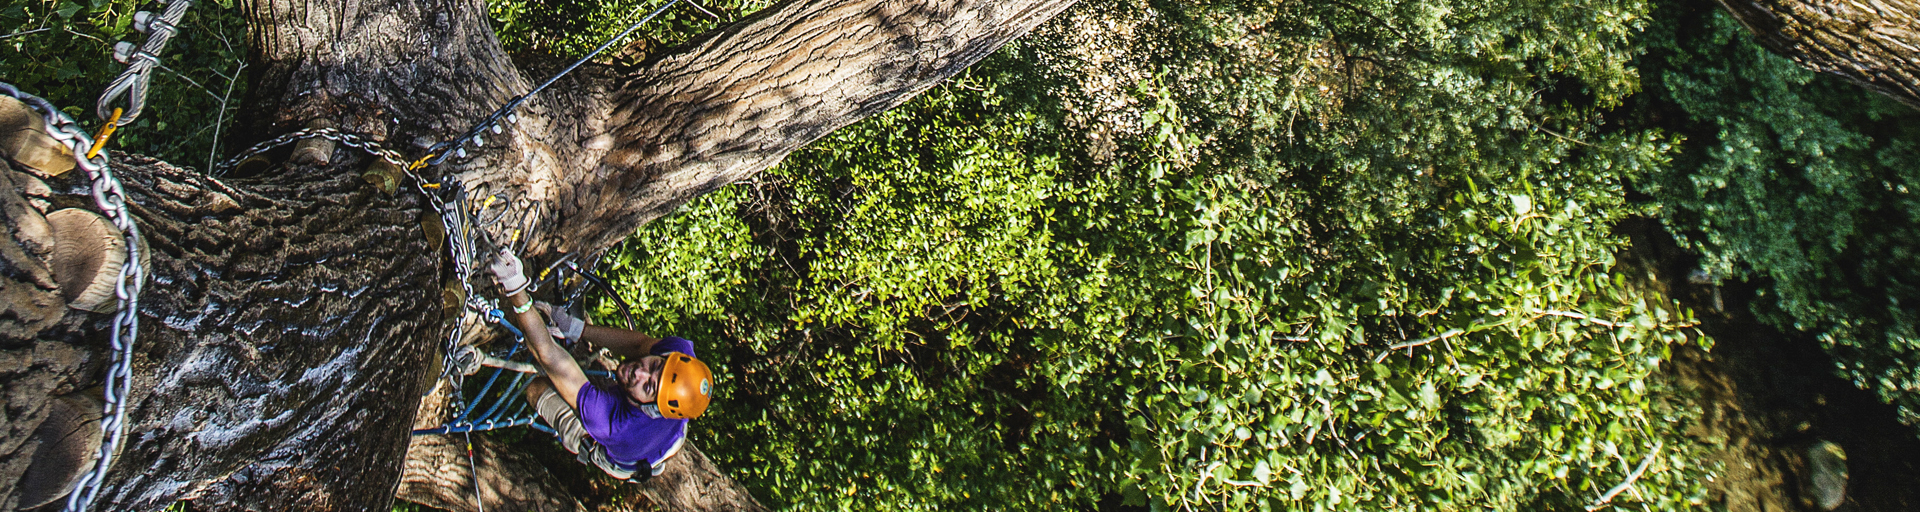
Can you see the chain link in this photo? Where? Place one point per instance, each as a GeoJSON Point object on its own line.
{"type": "Point", "coordinates": [111, 199]}
{"type": "Point", "coordinates": [108, 196]}
{"type": "Point", "coordinates": [132, 82]}
{"type": "Point", "coordinates": [462, 233]}
{"type": "Point", "coordinates": [351, 140]}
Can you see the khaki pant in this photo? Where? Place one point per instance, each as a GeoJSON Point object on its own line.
{"type": "Point", "coordinates": [573, 435]}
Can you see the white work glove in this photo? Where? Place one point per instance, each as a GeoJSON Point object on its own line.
{"type": "Point", "coordinates": [564, 325]}
{"type": "Point", "coordinates": [508, 273]}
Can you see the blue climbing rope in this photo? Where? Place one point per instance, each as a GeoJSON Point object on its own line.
{"type": "Point", "coordinates": [495, 415]}
{"type": "Point", "coordinates": [490, 409]}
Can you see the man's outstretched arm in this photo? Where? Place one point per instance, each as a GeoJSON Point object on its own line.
{"type": "Point", "coordinates": [554, 360]}
{"type": "Point", "coordinates": [622, 342]}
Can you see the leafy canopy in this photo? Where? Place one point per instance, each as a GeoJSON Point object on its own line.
{"type": "Point", "coordinates": [1163, 265]}
{"type": "Point", "coordinates": [1801, 181]}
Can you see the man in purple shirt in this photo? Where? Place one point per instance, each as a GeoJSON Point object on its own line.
{"type": "Point", "coordinates": [636, 424]}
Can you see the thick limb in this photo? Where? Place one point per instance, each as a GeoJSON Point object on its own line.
{"type": "Point", "coordinates": [622, 342]}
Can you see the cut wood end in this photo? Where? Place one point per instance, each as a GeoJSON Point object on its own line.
{"type": "Point", "coordinates": [435, 231]}
{"type": "Point", "coordinates": [87, 254]}
{"type": "Point", "coordinates": [453, 300]}
{"type": "Point", "coordinates": [24, 139]}
{"type": "Point", "coordinates": [254, 164]}
{"type": "Point", "coordinates": [383, 175]}
{"type": "Point", "coordinates": [69, 441]}
{"type": "Point", "coordinates": [316, 150]}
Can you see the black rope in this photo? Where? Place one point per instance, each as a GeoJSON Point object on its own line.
{"type": "Point", "coordinates": [625, 310]}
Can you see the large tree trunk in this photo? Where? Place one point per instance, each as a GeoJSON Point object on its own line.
{"type": "Point", "coordinates": [1874, 43]}
{"type": "Point", "coordinates": [440, 473]}
{"type": "Point", "coordinates": [293, 315]}
{"type": "Point", "coordinates": [286, 332]}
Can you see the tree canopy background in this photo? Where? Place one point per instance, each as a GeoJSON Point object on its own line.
{"type": "Point", "coordinates": [1296, 256]}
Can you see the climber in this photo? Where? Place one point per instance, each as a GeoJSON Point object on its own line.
{"type": "Point", "coordinates": [629, 427]}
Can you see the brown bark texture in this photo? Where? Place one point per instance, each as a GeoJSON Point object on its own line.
{"type": "Point", "coordinates": [285, 319]}
{"type": "Point", "coordinates": [292, 320]}
{"type": "Point", "coordinates": [46, 350]}
{"type": "Point", "coordinates": [440, 473]}
{"type": "Point", "coordinates": [1873, 43]}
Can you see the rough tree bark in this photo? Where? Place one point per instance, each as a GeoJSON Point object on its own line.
{"type": "Point", "coordinates": [293, 314]}
{"type": "Point", "coordinates": [1873, 43]}
{"type": "Point", "coordinates": [439, 474]}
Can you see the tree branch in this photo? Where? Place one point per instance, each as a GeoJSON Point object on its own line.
{"type": "Point", "coordinates": [738, 100]}
{"type": "Point", "coordinates": [1872, 43]}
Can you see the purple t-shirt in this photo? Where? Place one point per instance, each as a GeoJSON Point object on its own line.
{"type": "Point", "coordinates": [631, 434]}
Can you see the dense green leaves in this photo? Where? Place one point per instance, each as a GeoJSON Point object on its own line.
{"type": "Point", "coordinates": [62, 50]}
{"type": "Point", "coordinates": [1803, 181]}
{"type": "Point", "coordinates": [1246, 255]}
{"type": "Point", "coordinates": [537, 31]}
{"type": "Point", "coordinates": [1323, 285]}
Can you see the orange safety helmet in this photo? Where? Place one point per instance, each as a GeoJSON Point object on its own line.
{"type": "Point", "coordinates": [686, 385]}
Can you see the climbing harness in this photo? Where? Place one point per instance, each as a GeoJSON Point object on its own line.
{"type": "Point", "coordinates": [112, 201]}
{"type": "Point", "coordinates": [464, 240]}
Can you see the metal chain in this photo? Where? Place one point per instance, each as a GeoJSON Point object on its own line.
{"type": "Point", "coordinates": [459, 248]}
{"type": "Point", "coordinates": [111, 200]}
{"type": "Point", "coordinates": [140, 62]}
{"type": "Point", "coordinates": [459, 228]}
{"type": "Point", "coordinates": [351, 140]}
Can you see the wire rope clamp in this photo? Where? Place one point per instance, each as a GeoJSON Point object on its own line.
{"type": "Point", "coordinates": [88, 252]}
{"type": "Point", "coordinates": [147, 22]}
{"type": "Point", "coordinates": [123, 51]}
{"type": "Point", "coordinates": [383, 175]}
{"type": "Point", "coordinates": [24, 140]}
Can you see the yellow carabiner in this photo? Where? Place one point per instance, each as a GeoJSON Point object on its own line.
{"type": "Point", "coordinates": [100, 141]}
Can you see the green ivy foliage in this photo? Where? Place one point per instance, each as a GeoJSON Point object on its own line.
{"type": "Point", "coordinates": [1803, 181]}
{"type": "Point", "coordinates": [62, 50]}
{"type": "Point", "coordinates": [1393, 292]}
{"type": "Point", "coordinates": [536, 32]}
